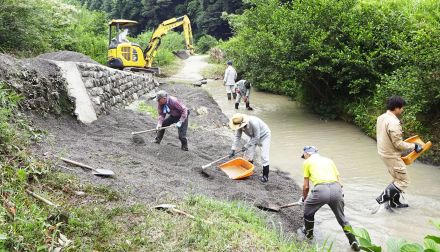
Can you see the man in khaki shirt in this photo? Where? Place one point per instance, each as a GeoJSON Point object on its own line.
{"type": "Point", "coordinates": [390, 146]}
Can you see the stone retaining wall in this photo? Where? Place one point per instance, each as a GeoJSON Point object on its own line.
{"type": "Point", "coordinates": [109, 88]}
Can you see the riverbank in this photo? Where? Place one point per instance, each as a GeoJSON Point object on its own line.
{"type": "Point", "coordinates": [92, 209]}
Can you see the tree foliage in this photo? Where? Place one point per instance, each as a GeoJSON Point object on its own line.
{"type": "Point", "coordinates": [205, 15]}
{"type": "Point", "coordinates": [30, 27]}
{"type": "Point", "coordinates": [345, 57]}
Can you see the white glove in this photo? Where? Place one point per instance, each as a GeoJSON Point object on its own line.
{"type": "Point", "coordinates": [178, 124]}
{"type": "Point", "coordinates": [301, 201]}
{"type": "Point", "coordinates": [158, 126]}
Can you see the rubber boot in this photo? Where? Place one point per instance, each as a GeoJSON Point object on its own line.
{"type": "Point", "coordinates": [265, 177]}
{"type": "Point", "coordinates": [354, 244]}
{"type": "Point", "coordinates": [385, 195]}
{"type": "Point", "coordinates": [234, 95]}
{"type": "Point", "coordinates": [159, 136]}
{"type": "Point", "coordinates": [184, 144]}
{"type": "Point", "coordinates": [248, 107]}
{"type": "Point", "coordinates": [308, 229]}
{"type": "Point", "coordinates": [229, 96]}
{"type": "Point", "coordinates": [395, 198]}
{"type": "Point", "coordinates": [236, 105]}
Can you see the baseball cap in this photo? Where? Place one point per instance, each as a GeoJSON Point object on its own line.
{"type": "Point", "coordinates": [309, 150]}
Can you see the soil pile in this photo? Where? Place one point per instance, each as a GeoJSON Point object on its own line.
{"type": "Point", "coordinates": [67, 56]}
{"type": "Point", "coordinates": [38, 80]}
{"type": "Point", "coordinates": [152, 173]}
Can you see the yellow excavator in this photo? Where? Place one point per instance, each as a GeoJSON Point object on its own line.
{"type": "Point", "coordinates": [122, 54]}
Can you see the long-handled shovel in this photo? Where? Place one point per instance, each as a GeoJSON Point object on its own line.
{"type": "Point", "coordinates": [274, 208]}
{"type": "Point", "coordinates": [172, 208]}
{"type": "Point", "coordinates": [97, 172]}
{"type": "Point", "coordinates": [150, 130]}
{"type": "Point", "coordinates": [213, 162]}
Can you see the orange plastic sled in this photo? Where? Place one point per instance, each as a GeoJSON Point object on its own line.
{"type": "Point", "coordinates": [238, 168]}
{"type": "Point", "coordinates": [413, 155]}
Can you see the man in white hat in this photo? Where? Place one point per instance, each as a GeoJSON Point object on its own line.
{"type": "Point", "coordinates": [259, 134]}
{"type": "Point", "coordinates": [324, 175]}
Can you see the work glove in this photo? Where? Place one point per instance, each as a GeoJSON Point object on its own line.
{"type": "Point", "coordinates": [178, 124]}
{"type": "Point", "coordinates": [418, 148]}
{"type": "Point", "coordinates": [158, 126]}
{"type": "Point", "coordinates": [301, 201]}
{"type": "Point", "coordinates": [232, 154]}
{"type": "Point", "coordinates": [244, 148]}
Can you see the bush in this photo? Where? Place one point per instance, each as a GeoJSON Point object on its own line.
{"type": "Point", "coordinates": [38, 26]}
{"type": "Point", "coordinates": [205, 43]}
{"type": "Point", "coordinates": [345, 57]}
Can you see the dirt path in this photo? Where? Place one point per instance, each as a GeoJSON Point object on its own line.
{"type": "Point", "coordinates": [152, 173]}
{"type": "Point", "coordinates": [191, 69]}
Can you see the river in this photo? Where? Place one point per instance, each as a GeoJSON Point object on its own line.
{"type": "Point", "coordinates": [362, 172]}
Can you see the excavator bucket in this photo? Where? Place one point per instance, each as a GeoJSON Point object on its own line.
{"type": "Point", "coordinates": [183, 54]}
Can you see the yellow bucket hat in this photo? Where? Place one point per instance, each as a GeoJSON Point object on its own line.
{"type": "Point", "coordinates": [238, 121]}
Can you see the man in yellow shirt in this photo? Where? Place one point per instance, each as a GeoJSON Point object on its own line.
{"type": "Point", "coordinates": [324, 175]}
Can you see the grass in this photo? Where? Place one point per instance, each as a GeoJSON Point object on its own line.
{"type": "Point", "coordinates": [148, 109]}
{"type": "Point", "coordinates": [171, 69]}
{"type": "Point", "coordinates": [213, 71]}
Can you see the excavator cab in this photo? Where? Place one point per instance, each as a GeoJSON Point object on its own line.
{"type": "Point", "coordinates": [122, 54]}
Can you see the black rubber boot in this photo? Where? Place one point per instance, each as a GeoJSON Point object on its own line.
{"type": "Point", "coordinates": [385, 195]}
{"type": "Point", "coordinates": [354, 244]}
{"type": "Point", "coordinates": [159, 136]}
{"type": "Point", "coordinates": [395, 198]}
{"type": "Point", "coordinates": [236, 105]}
{"type": "Point", "coordinates": [229, 96]}
{"type": "Point", "coordinates": [248, 106]}
{"type": "Point", "coordinates": [308, 229]}
{"type": "Point", "coordinates": [265, 177]}
{"type": "Point", "coordinates": [234, 95]}
{"type": "Point", "coordinates": [184, 144]}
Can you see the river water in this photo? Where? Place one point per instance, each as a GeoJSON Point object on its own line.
{"type": "Point", "coordinates": [362, 172]}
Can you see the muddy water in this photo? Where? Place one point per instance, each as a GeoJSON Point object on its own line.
{"type": "Point", "coordinates": [363, 174]}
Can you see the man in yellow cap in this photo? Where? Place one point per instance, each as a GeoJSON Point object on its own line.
{"type": "Point", "coordinates": [259, 134]}
{"type": "Point", "coordinates": [324, 175]}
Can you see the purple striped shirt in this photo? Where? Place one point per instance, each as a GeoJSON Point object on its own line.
{"type": "Point", "coordinates": [176, 109]}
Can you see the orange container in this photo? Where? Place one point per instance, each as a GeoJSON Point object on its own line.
{"type": "Point", "coordinates": [413, 155]}
{"type": "Point", "coordinates": [238, 168]}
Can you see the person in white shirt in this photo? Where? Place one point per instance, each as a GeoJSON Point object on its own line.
{"type": "Point", "coordinates": [229, 80]}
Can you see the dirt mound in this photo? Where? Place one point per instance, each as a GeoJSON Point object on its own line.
{"type": "Point", "coordinates": [38, 80]}
{"type": "Point", "coordinates": [153, 173]}
{"type": "Point", "coordinates": [67, 56]}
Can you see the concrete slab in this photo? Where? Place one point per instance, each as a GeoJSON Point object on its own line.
{"type": "Point", "coordinates": [84, 110]}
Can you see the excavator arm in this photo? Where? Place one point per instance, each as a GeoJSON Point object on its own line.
{"type": "Point", "coordinates": [151, 51]}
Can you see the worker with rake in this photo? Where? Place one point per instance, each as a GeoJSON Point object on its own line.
{"type": "Point", "coordinates": [243, 89]}
{"type": "Point", "coordinates": [324, 175]}
{"type": "Point", "coordinates": [259, 134]}
{"type": "Point", "coordinates": [177, 113]}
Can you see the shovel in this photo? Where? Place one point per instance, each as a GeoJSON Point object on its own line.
{"type": "Point", "coordinates": [150, 130]}
{"type": "Point", "coordinates": [274, 208]}
{"type": "Point", "coordinates": [172, 208]}
{"type": "Point", "coordinates": [97, 172]}
{"type": "Point", "coordinates": [213, 162]}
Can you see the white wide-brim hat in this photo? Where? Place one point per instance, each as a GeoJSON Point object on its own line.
{"type": "Point", "coordinates": [238, 121]}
